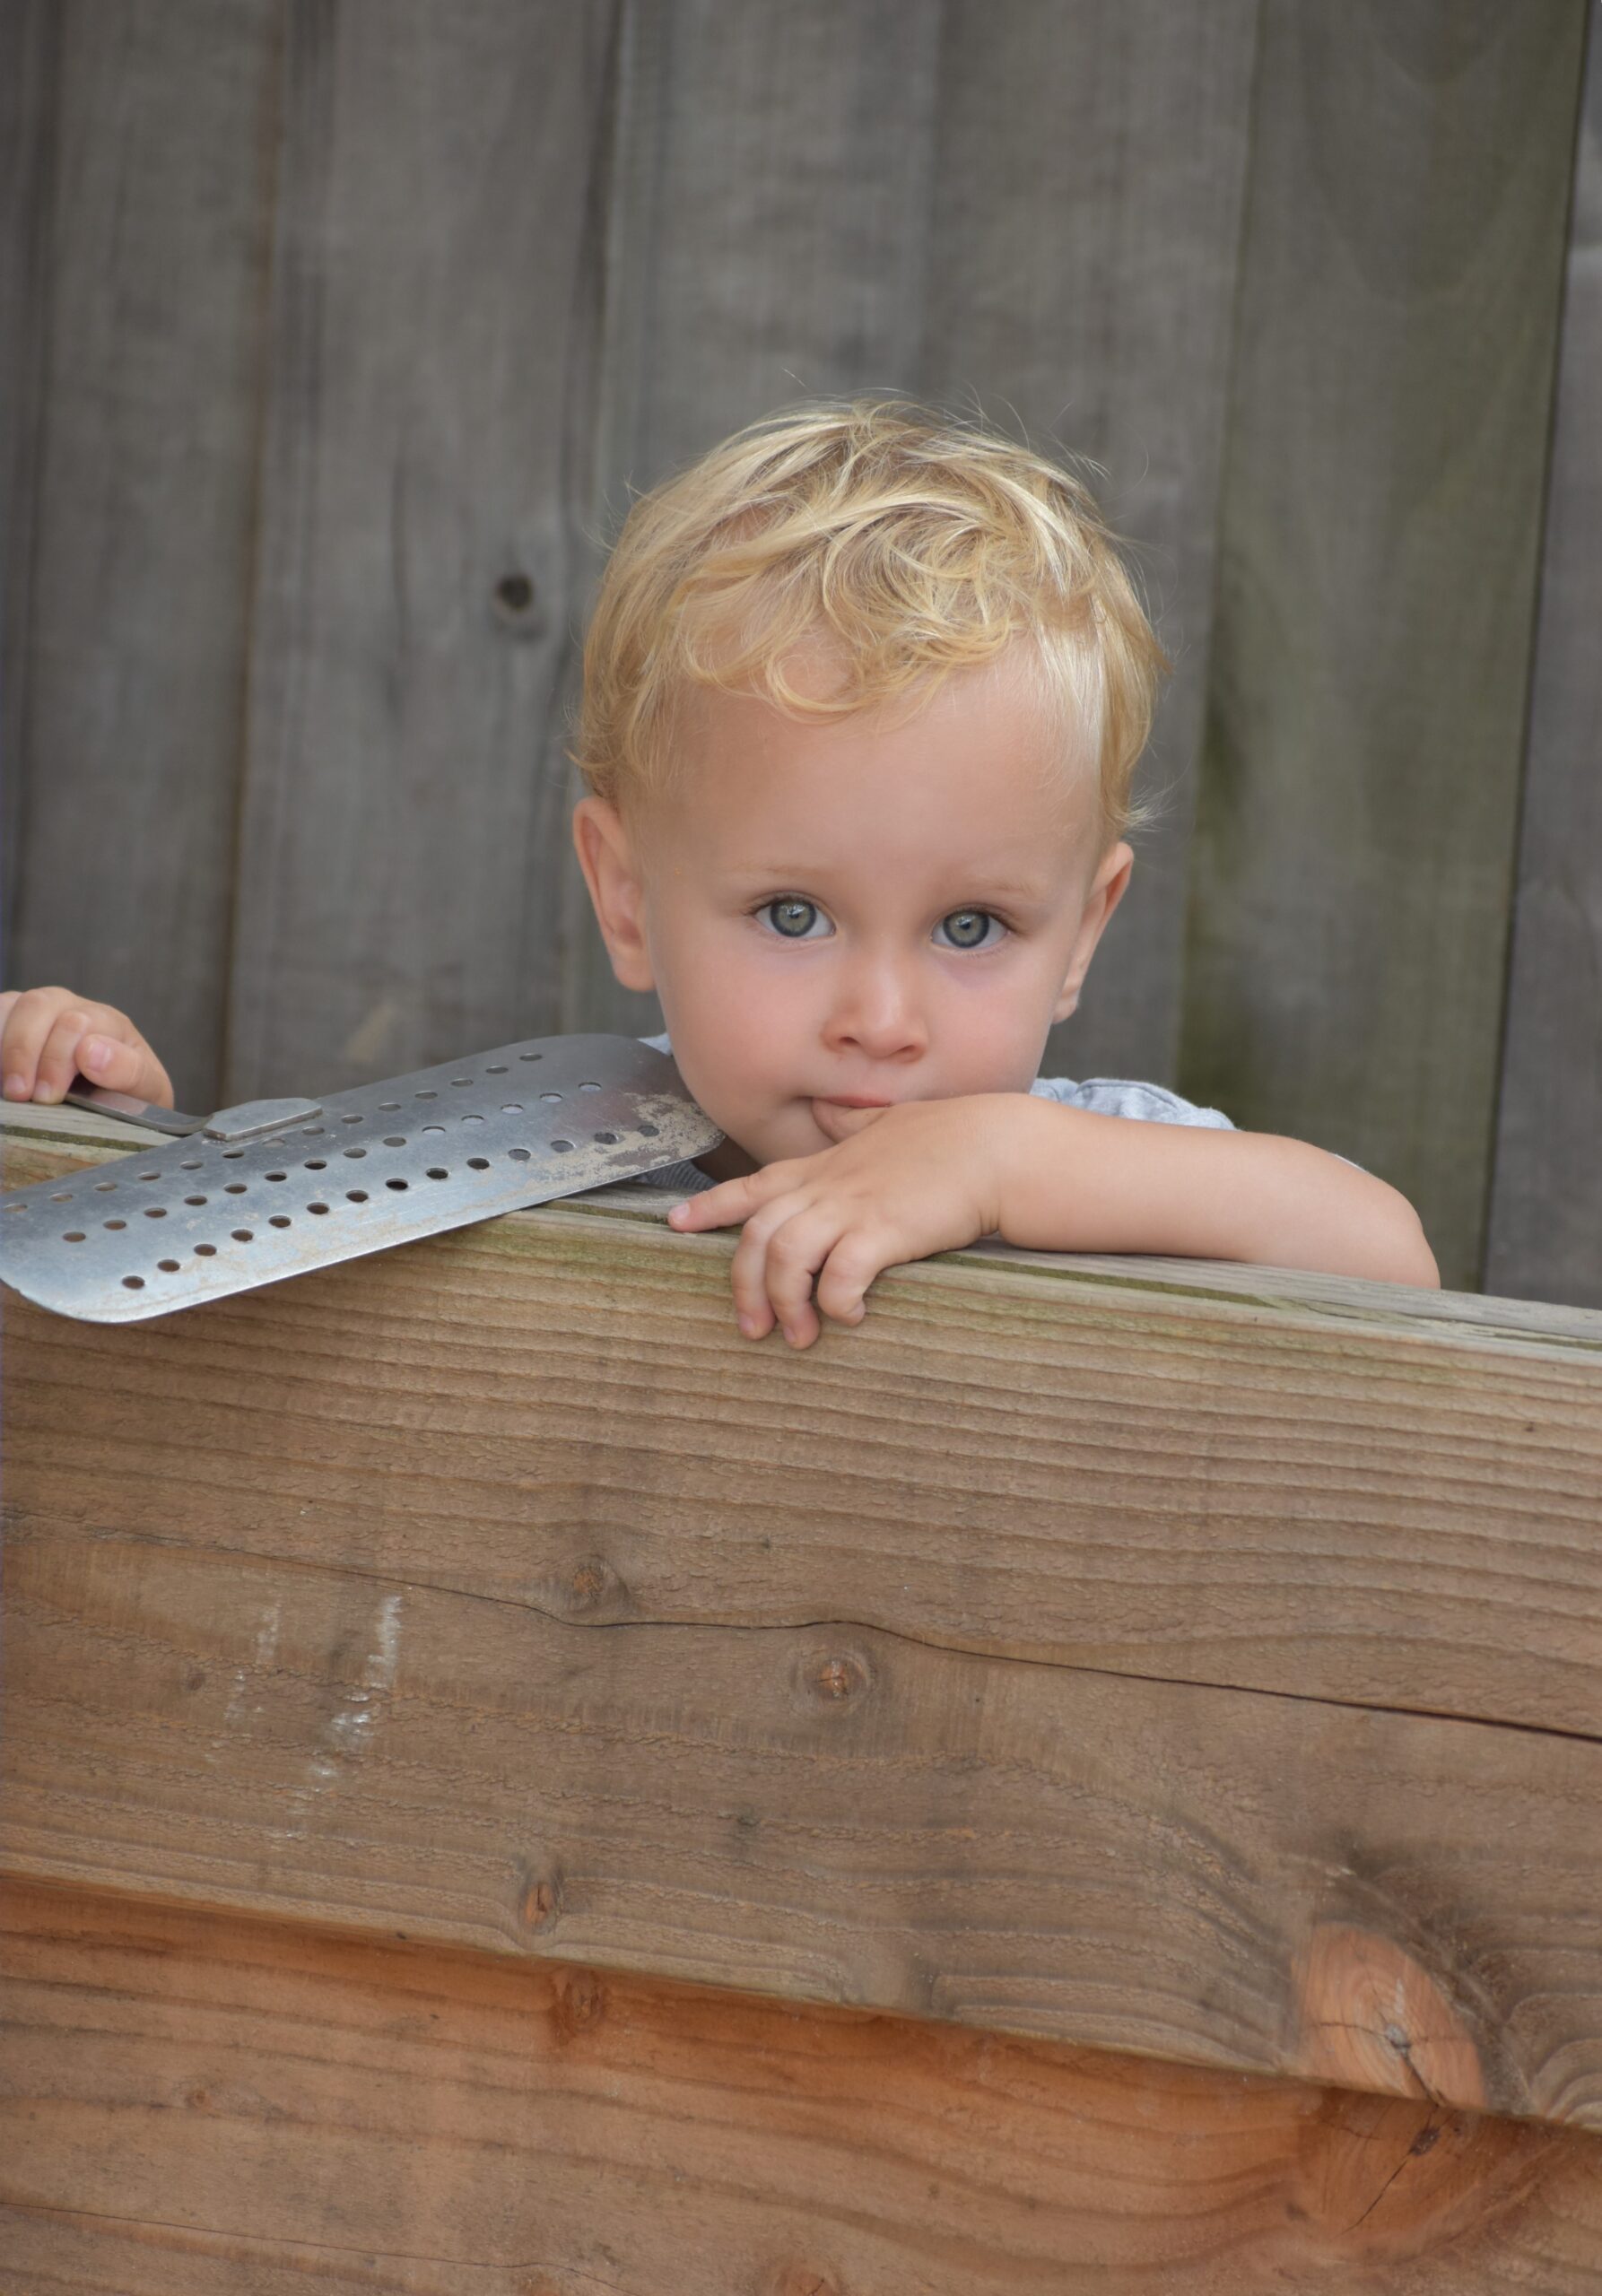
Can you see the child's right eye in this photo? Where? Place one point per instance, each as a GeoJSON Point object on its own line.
{"type": "Point", "coordinates": [793, 918]}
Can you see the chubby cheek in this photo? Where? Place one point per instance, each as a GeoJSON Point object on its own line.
{"type": "Point", "coordinates": [736, 1067]}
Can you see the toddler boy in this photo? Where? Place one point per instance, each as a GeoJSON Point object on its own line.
{"type": "Point", "coordinates": [864, 690]}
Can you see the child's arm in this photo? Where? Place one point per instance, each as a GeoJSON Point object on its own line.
{"type": "Point", "coordinates": [49, 1036]}
{"type": "Point", "coordinates": [931, 1176]}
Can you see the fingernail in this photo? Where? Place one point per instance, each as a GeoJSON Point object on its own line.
{"type": "Point", "coordinates": [748, 1327]}
{"type": "Point", "coordinates": [16, 1088]}
{"type": "Point", "coordinates": [97, 1052]}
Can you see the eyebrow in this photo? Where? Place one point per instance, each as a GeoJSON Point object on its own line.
{"type": "Point", "coordinates": [1006, 891]}
{"type": "Point", "coordinates": [792, 871]}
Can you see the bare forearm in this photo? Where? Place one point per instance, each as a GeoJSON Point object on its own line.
{"type": "Point", "coordinates": [1078, 1182]}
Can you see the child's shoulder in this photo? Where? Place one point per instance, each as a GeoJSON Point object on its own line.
{"type": "Point", "coordinates": [1124, 1096]}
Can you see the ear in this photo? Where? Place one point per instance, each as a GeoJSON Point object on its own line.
{"type": "Point", "coordinates": [1106, 889]}
{"type": "Point", "coordinates": [616, 888]}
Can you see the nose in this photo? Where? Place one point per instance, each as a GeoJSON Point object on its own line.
{"type": "Point", "coordinates": [877, 1010]}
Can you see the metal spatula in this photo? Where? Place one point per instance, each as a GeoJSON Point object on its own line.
{"type": "Point", "coordinates": [276, 1188]}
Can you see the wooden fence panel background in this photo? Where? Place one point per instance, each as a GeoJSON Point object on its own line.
{"type": "Point", "coordinates": [345, 327]}
{"type": "Point", "coordinates": [1547, 1212]}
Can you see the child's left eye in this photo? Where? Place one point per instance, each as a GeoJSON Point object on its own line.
{"type": "Point", "coordinates": [969, 927]}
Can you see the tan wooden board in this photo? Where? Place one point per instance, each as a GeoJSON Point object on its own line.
{"type": "Point", "coordinates": [202, 2107]}
{"type": "Point", "coordinates": [1351, 876]}
{"type": "Point", "coordinates": [25, 1127]}
{"type": "Point", "coordinates": [820, 1812]}
{"type": "Point", "coordinates": [1546, 1238]}
{"type": "Point", "coordinates": [1036, 1461]}
{"type": "Point", "coordinates": [157, 149]}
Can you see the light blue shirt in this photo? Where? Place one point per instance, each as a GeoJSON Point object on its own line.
{"type": "Point", "coordinates": [1102, 1095]}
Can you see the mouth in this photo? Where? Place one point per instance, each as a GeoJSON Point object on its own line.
{"type": "Point", "coordinates": [851, 1100]}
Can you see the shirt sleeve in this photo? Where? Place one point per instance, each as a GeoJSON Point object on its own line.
{"type": "Point", "coordinates": [1123, 1096]}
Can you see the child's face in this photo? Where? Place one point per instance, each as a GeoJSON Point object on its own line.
{"type": "Point", "coordinates": [942, 887]}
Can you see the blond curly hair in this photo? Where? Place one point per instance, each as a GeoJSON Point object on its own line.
{"type": "Point", "coordinates": [912, 543]}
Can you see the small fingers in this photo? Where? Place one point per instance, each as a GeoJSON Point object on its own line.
{"type": "Point", "coordinates": [796, 1250]}
{"type": "Point", "coordinates": [748, 1273]}
{"type": "Point", "coordinates": [849, 1270]}
{"type": "Point", "coordinates": [59, 1055]}
{"type": "Point", "coordinates": [30, 1020]}
{"type": "Point", "coordinates": [49, 1037]}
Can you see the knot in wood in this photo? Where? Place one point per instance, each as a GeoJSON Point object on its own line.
{"type": "Point", "coordinates": [592, 1585]}
{"type": "Point", "coordinates": [580, 2004]}
{"type": "Point", "coordinates": [835, 1677]}
{"type": "Point", "coordinates": [539, 1900]}
{"type": "Point", "coordinates": [1373, 2017]}
{"type": "Point", "coordinates": [517, 605]}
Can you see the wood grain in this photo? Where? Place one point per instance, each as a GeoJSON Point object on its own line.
{"type": "Point", "coordinates": [821, 1811]}
{"type": "Point", "coordinates": [198, 2106]}
{"type": "Point", "coordinates": [1352, 876]}
{"type": "Point", "coordinates": [400, 849]}
{"type": "Point", "coordinates": [1546, 1238]}
{"type": "Point", "coordinates": [128, 647]}
{"type": "Point", "coordinates": [30, 65]}
{"type": "Point", "coordinates": [1148, 1477]}
{"type": "Point", "coordinates": [1082, 272]}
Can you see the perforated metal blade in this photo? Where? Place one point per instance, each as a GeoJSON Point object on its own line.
{"type": "Point", "coordinates": [198, 1217]}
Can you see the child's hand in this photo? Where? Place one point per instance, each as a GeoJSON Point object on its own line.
{"type": "Point", "coordinates": [49, 1036]}
{"type": "Point", "coordinates": [921, 1178]}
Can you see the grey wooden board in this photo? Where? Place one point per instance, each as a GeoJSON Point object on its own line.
{"type": "Point", "coordinates": [1352, 869]}
{"type": "Point", "coordinates": [1082, 278]}
{"type": "Point", "coordinates": [133, 636]}
{"type": "Point", "coordinates": [29, 64]}
{"type": "Point", "coordinates": [1546, 1238]}
{"type": "Point", "coordinates": [400, 851]}
{"type": "Point", "coordinates": [767, 233]}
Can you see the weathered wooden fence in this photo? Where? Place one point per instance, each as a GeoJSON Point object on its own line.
{"type": "Point", "coordinates": [333, 333]}
{"type": "Point", "coordinates": [1090, 1781]}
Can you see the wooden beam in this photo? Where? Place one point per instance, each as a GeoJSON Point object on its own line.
{"type": "Point", "coordinates": [818, 1812]}
{"type": "Point", "coordinates": [1356, 1492]}
{"type": "Point", "coordinates": [195, 2106]}
{"type": "Point", "coordinates": [491, 1590]}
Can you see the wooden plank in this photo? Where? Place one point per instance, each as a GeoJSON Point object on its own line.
{"type": "Point", "coordinates": [766, 241]}
{"type": "Point", "coordinates": [1352, 878]}
{"type": "Point", "coordinates": [820, 1812]}
{"type": "Point", "coordinates": [400, 849]}
{"type": "Point", "coordinates": [30, 65]}
{"type": "Point", "coordinates": [202, 2105]}
{"type": "Point", "coordinates": [131, 635]}
{"type": "Point", "coordinates": [1084, 240]}
{"type": "Point", "coordinates": [1270, 1490]}
{"type": "Point", "coordinates": [1545, 1238]}
{"type": "Point", "coordinates": [33, 1135]}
